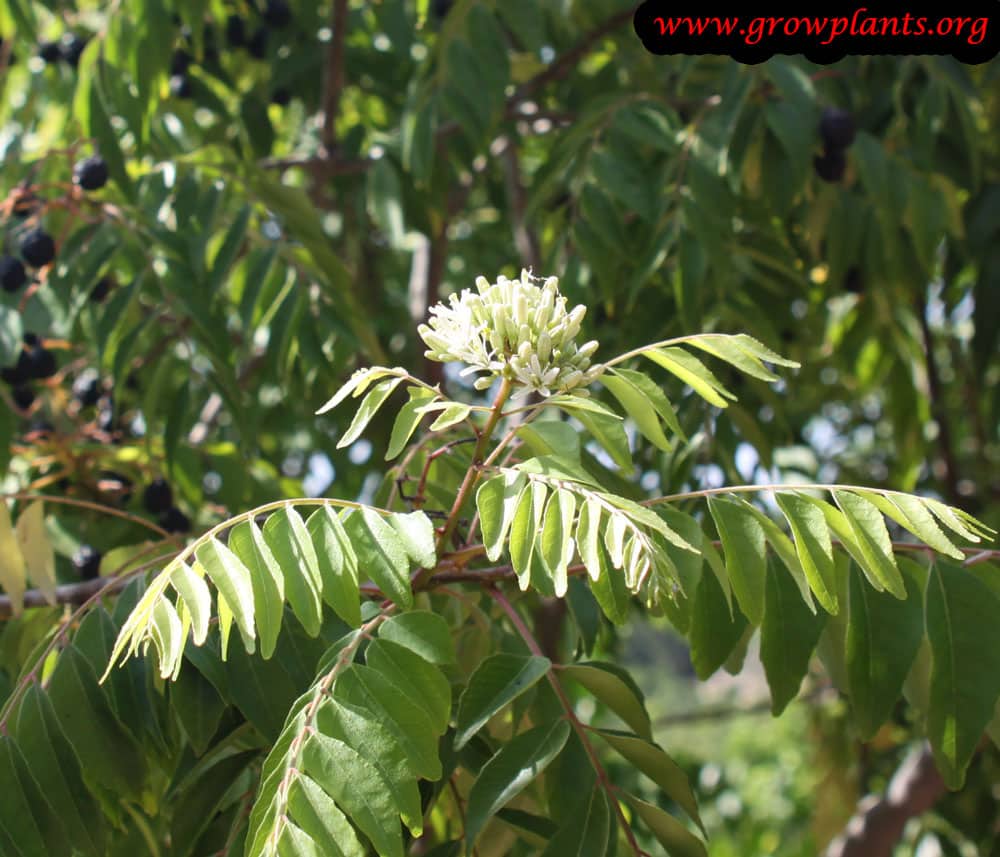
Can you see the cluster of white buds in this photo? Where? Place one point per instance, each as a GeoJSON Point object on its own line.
{"type": "Point", "coordinates": [513, 329]}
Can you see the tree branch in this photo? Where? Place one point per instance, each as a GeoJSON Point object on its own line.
{"type": "Point", "coordinates": [877, 824]}
{"type": "Point", "coordinates": [333, 83]}
{"type": "Point", "coordinates": [949, 474]}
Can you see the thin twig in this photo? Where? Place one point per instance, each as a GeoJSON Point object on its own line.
{"type": "Point", "coordinates": [333, 84]}
{"type": "Point", "coordinates": [578, 727]}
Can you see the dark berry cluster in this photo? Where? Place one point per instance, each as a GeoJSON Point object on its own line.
{"type": "Point", "coordinates": [837, 130]}
{"type": "Point", "coordinates": [240, 32]}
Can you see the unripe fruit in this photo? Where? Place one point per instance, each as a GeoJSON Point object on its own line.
{"type": "Point", "coordinates": [158, 498]}
{"type": "Point", "coordinates": [24, 397]}
{"type": "Point", "coordinates": [91, 173]}
{"type": "Point", "coordinates": [175, 521]}
{"type": "Point", "coordinates": [837, 129]}
{"type": "Point", "coordinates": [830, 166]}
{"type": "Point", "coordinates": [87, 562]}
{"type": "Point", "coordinates": [12, 274]}
{"type": "Point", "coordinates": [37, 248]}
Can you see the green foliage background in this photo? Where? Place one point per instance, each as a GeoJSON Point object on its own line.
{"type": "Point", "coordinates": [262, 251]}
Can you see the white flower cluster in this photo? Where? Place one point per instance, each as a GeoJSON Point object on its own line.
{"type": "Point", "coordinates": [513, 329]}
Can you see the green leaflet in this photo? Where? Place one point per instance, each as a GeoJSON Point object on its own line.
{"type": "Point", "coordinates": [613, 686]}
{"type": "Point", "coordinates": [510, 771]}
{"type": "Point", "coordinates": [882, 638]}
{"type": "Point", "coordinates": [338, 565]}
{"type": "Point", "coordinates": [24, 813]}
{"type": "Point", "coordinates": [422, 632]}
{"type": "Point", "coordinates": [380, 555]}
{"type": "Point", "coordinates": [374, 691]}
{"type": "Point", "coordinates": [551, 437]}
{"type": "Point", "coordinates": [669, 832]}
{"type": "Point", "coordinates": [421, 683]}
{"type": "Point", "coordinates": [556, 543]}
{"type": "Point", "coordinates": [716, 628]}
{"type": "Point", "coordinates": [813, 546]}
{"type": "Point", "coordinates": [247, 542]}
{"type": "Point", "coordinates": [232, 579]}
{"type": "Point", "coordinates": [658, 766]}
{"type": "Point", "coordinates": [364, 795]}
{"type": "Point", "coordinates": [609, 432]}
{"type": "Point", "coordinates": [367, 410]}
{"type": "Point", "coordinates": [55, 768]}
{"type": "Point", "coordinates": [733, 350]}
{"type": "Point", "coordinates": [744, 544]}
{"type": "Point", "coordinates": [416, 536]}
{"type": "Point", "coordinates": [586, 833]}
{"type": "Point", "coordinates": [638, 407]}
{"type": "Point", "coordinates": [692, 372]}
{"type": "Point", "coordinates": [497, 682]}
{"type": "Point", "coordinates": [911, 514]}
{"type": "Point", "coordinates": [407, 420]}
{"type": "Point", "coordinates": [964, 637]}
{"type": "Point", "coordinates": [789, 633]}
{"type": "Point", "coordinates": [524, 530]}
{"type": "Point", "coordinates": [319, 819]}
{"type": "Point", "coordinates": [359, 382]}
{"type": "Point", "coordinates": [496, 501]}
{"type": "Point", "coordinates": [194, 592]}
{"type": "Point", "coordinates": [451, 415]}
{"type": "Point", "coordinates": [360, 729]}
{"type": "Point", "coordinates": [291, 543]}
{"type": "Point", "coordinates": [657, 398]}
{"type": "Point", "coordinates": [872, 540]}
{"type": "Point", "coordinates": [610, 589]}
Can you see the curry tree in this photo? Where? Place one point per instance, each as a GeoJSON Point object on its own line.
{"type": "Point", "coordinates": [433, 714]}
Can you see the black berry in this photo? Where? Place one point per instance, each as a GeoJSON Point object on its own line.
{"type": "Point", "coordinates": [180, 86]}
{"type": "Point", "coordinates": [30, 339]}
{"type": "Point", "coordinates": [50, 52]}
{"type": "Point", "coordinates": [106, 419]}
{"type": "Point", "coordinates": [830, 166]}
{"type": "Point", "coordinates": [87, 562]}
{"type": "Point", "coordinates": [175, 521]}
{"type": "Point", "coordinates": [836, 127]}
{"type": "Point", "coordinates": [20, 372]}
{"type": "Point", "coordinates": [71, 47]}
{"type": "Point", "coordinates": [236, 31]}
{"type": "Point", "coordinates": [12, 274]}
{"type": "Point", "coordinates": [180, 62]}
{"type": "Point", "coordinates": [277, 13]}
{"type": "Point", "coordinates": [38, 248]}
{"type": "Point", "coordinates": [24, 397]}
{"type": "Point", "coordinates": [257, 46]}
{"type": "Point", "coordinates": [41, 363]}
{"type": "Point", "coordinates": [852, 281]}
{"type": "Point", "coordinates": [91, 173]}
{"type": "Point", "coordinates": [281, 97]}
{"type": "Point", "coordinates": [158, 498]}
{"type": "Point", "coordinates": [101, 289]}
{"type": "Point", "coordinates": [440, 8]}
{"type": "Point", "coordinates": [87, 388]}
